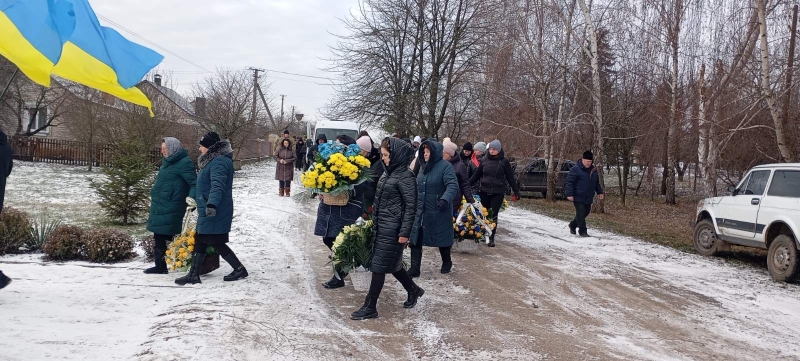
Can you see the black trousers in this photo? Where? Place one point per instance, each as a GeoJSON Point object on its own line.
{"type": "Point", "coordinates": [378, 279]}
{"type": "Point", "coordinates": [298, 162]}
{"type": "Point", "coordinates": [581, 212]}
{"type": "Point", "coordinates": [162, 240]}
{"type": "Point", "coordinates": [493, 202]}
{"type": "Point", "coordinates": [443, 251]}
{"type": "Point", "coordinates": [285, 184]}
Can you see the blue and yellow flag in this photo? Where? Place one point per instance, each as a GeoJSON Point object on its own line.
{"type": "Point", "coordinates": [64, 37]}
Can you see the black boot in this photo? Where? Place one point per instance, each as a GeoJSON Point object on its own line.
{"type": "Point", "coordinates": [447, 261]}
{"type": "Point", "coordinates": [239, 271]}
{"type": "Point", "coordinates": [416, 262]}
{"type": "Point", "coordinates": [413, 296]}
{"type": "Point", "coordinates": [4, 280]}
{"type": "Point", "coordinates": [161, 263]}
{"type": "Point", "coordinates": [337, 281]}
{"type": "Point", "coordinates": [193, 276]}
{"type": "Point", "coordinates": [573, 227]}
{"type": "Point", "coordinates": [368, 310]}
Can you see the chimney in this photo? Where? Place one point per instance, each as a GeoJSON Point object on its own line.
{"type": "Point", "coordinates": [157, 79]}
{"type": "Point", "coordinates": [200, 107]}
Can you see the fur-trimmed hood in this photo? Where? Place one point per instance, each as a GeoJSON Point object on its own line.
{"type": "Point", "coordinates": [221, 148]}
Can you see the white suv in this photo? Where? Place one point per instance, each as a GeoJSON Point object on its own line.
{"type": "Point", "coordinates": [763, 211]}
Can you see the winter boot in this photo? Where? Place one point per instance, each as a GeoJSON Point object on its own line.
{"type": "Point", "coordinates": [337, 281]}
{"type": "Point", "coordinates": [447, 261]}
{"type": "Point", "coordinates": [239, 271]}
{"type": "Point", "coordinates": [416, 262]}
{"type": "Point", "coordinates": [281, 192]}
{"type": "Point", "coordinates": [288, 192]}
{"type": "Point", "coordinates": [193, 276]}
{"type": "Point", "coordinates": [4, 280]}
{"type": "Point", "coordinates": [161, 263]}
{"type": "Point", "coordinates": [573, 227]}
{"type": "Point", "coordinates": [584, 235]}
{"type": "Point", "coordinates": [368, 310]}
{"type": "Point", "coordinates": [413, 296]}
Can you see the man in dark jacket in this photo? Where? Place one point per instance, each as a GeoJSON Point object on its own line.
{"type": "Point", "coordinates": [300, 151]}
{"type": "Point", "coordinates": [583, 182]}
{"type": "Point", "coordinates": [6, 164]}
{"type": "Point", "coordinates": [312, 152]}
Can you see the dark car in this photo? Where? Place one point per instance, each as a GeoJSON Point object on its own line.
{"type": "Point", "coordinates": [533, 178]}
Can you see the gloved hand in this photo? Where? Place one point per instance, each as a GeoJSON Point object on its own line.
{"type": "Point", "coordinates": [515, 197]}
{"type": "Point", "coordinates": [442, 205]}
{"type": "Point", "coordinates": [211, 210]}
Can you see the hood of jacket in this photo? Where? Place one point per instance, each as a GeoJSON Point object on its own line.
{"type": "Point", "coordinates": [222, 148]}
{"type": "Point", "coordinates": [400, 155]}
{"type": "Point", "coordinates": [180, 154]}
{"type": "Point", "coordinates": [323, 137]}
{"type": "Point", "coordinates": [436, 154]}
{"type": "Point", "coordinates": [499, 156]}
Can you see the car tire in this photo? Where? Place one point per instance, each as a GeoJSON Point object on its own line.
{"type": "Point", "coordinates": [706, 242]}
{"type": "Point", "coordinates": [782, 259]}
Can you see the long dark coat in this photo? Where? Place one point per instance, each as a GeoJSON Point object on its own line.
{"type": "Point", "coordinates": [464, 189]}
{"type": "Point", "coordinates": [332, 219]}
{"type": "Point", "coordinates": [436, 180]}
{"type": "Point", "coordinates": [377, 169]}
{"type": "Point", "coordinates": [176, 180]}
{"type": "Point", "coordinates": [285, 171]}
{"type": "Point", "coordinates": [6, 164]}
{"type": "Point", "coordinates": [395, 208]}
{"type": "Point", "coordinates": [215, 187]}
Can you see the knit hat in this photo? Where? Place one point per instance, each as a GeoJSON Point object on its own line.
{"type": "Point", "coordinates": [365, 143]}
{"type": "Point", "coordinates": [209, 139]}
{"type": "Point", "coordinates": [480, 146]}
{"type": "Point", "coordinates": [588, 155]}
{"type": "Point", "coordinates": [467, 146]}
{"type": "Point", "coordinates": [449, 147]}
{"type": "Point", "coordinates": [286, 131]}
{"type": "Point", "coordinates": [495, 144]}
{"type": "Point", "coordinates": [173, 146]}
{"type": "Point", "coordinates": [417, 139]}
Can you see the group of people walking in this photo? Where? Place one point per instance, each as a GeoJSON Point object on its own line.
{"type": "Point", "coordinates": [419, 188]}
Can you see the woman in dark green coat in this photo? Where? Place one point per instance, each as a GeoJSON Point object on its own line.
{"type": "Point", "coordinates": [437, 186]}
{"type": "Point", "coordinates": [176, 180]}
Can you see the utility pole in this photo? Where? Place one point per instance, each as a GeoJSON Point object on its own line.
{"type": "Point", "coordinates": [253, 111]}
{"type": "Point", "coordinates": [282, 97]}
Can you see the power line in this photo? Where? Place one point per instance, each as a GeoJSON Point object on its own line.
{"type": "Point", "coordinates": [151, 42]}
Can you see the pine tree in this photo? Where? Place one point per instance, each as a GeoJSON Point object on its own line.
{"type": "Point", "coordinates": [125, 192]}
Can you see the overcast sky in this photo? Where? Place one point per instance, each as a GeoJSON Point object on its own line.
{"type": "Point", "coordinates": [289, 36]}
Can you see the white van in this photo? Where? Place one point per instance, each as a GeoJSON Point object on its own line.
{"type": "Point", "coordinates": [334, 128]}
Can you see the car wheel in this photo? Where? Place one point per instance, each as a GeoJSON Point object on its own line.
{"type": "Point", "coordinates": [782, 259]}
{"type": "Point", "coordinates": [705, 239]}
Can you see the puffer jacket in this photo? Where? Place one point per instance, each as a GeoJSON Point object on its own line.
{"type": "Point", "coordinates": [464, 189]}
{"type": "Point", "coordinates": [436, 181]}
{"type": "Point", "coordinates": [332, 219]}
{"type": "Point", "coordinates": [285, 171]}
{"type": "Point", "coordinates": [376, 168]}
{"type": "Point", "coordinates": [583, 183]}
{"type": "Point", "coordinates": [215, 187]}
{"type": "Point", "coordinates": [494, 175]}
{"type": "Point", "coordinates": [176, 180]}
{"type": "Point", "coordinates": [395, 208]}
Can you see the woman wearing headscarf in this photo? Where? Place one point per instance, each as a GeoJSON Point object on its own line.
{"type": "Point", "coordinates": [493, 176]}
{"type": "Point", "coordinates": [437, 186]}
{"type": "Point", "coordinates": [214, 208]}
{"type": "Point", "coordinates": [176, 180]}
{"type": "Point", "coordinates": [332, 219]}
{"type": "Point", "coordinates": [395, 207]}
{"type": "Point", "coordinates": [284, 171]}
{"type": "Point", "coordinates": [374, 157]}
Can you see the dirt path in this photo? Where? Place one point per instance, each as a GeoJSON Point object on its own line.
{"type": "Point", "coordinates": [542, 294]}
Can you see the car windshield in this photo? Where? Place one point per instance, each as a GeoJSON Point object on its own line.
{"type": "Point", "coordinates": [331, 133]}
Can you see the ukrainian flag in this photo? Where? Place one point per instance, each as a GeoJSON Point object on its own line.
{"type": "Point", "coordinates": [65, 37]}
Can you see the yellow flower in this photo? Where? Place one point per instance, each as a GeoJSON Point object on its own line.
{"type": "Point", "coordinates": [191, 248]}
{"type": "Point", "coordinates": [183, 250]}
{"type": "Point", "coordinates": [471, 232]}
{"type": "Point", "coordinates": [169, 252]}
{"type": "Point", "coordinates": [462, 233]}
{"type": "Point", "coordinates": [179, 264]}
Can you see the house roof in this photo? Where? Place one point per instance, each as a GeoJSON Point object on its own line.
{"type": "Point", "coordinates": [172, 95]}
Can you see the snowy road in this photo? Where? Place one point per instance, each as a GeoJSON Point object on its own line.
{"type": "Point", "coordinates": [541, 294]}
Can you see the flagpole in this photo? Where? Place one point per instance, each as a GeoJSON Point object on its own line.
{"type": "Point", "coordinates": [9, 83]}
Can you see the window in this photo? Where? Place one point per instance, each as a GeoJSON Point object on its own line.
{"type": "Point", "coordinates": [758, 183]}
{"type": "Point", "coordinates": [785, 183]}
{"type": "Point", "coordinates": [37, 118]}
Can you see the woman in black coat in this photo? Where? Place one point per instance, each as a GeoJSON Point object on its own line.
{"type": "Point", "coordinates": [493, 176]}
{"type": "Point", "coordinates": [395, 210]}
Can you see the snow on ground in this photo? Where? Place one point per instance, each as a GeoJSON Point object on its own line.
{"type": "Point", "coordinates": [83, 311]}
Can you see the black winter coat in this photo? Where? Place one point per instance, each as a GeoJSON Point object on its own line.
{"type": "Point", "coordinates": [312, 152]}
{"type": "Point", "coordinates": [583, 183]}
{"type": "Point", "coordinates": [376, 167]}
{"type": "Point", "coordinates": [332, 219]}
{"type": "Point", "coordinates": [494, 175]}
{"type": "Point", "coordinates": [464, 189]}
{"type": "Point", "coordinates": [395, 209]}
{"type": "Point", "coordinates": [436, 181]}
{"type": "Point", "coordinates": [6, 164]}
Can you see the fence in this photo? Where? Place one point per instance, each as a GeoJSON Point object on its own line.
{"type": "Point", "coordinates": [44, 150]}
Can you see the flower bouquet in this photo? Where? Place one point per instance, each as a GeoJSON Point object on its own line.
{"type": "Point", "coordinates": [472, 225]}
{"type": "Point", "coordinates": [352, 252]}
{"type": "Point", "coordinates": [338, 169]}
{"type": "Point", "coordinates": [179, 252]}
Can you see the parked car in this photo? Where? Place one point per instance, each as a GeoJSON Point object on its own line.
{"type": "Point", "coordinates": [533, 177]}
{"type": "Point", "coordinates": [763, 211]}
